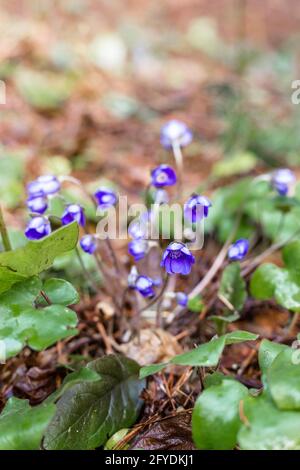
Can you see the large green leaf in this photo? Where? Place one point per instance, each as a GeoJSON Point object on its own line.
{"type": "Point", "coordinates": [205, 355]}
{"type": "Point", "coordinates": [287, 292]}
{"type": "Point", "coordinates": [21, 323]}
{"type": "Point", "coordinates": [35, 256]}
{"type": "Point", "coordinates": [283, 378]}
{"type": "Point", "coordinates": [216, 421]}
{"type": "Point", "coordinates": [264, 281]}
{"type": "Point", "coordinates": [270, 281]}
{"type": "Point", "coordinates": [59, 292]}
{"type": "Point", "coordinates": [22, 426]}
{"type": "Point", "coordinates": [90, 412]}
{"type": "Point", "coordinates": [233, 286]}
{"type": "Point", "coordinates": [268, 428]}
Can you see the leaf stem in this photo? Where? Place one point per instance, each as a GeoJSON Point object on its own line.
{"type": "Point", "coordinates": [4, 233]}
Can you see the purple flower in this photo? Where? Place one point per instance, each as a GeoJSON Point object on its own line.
{"type": "Point", "coordinates": [138, 249]}
{"type": "Point", "coordinates": [105, 198]}
{"type": "Point", "coordinates": [196, 208]}
{"type": "Point", "coordinates": [73, 212]}
{"type": "Point", "coordinates": [144, 285]}
{"type": "Point", "coordinates": [175, 132]}
{"type": "Point", "coordinates": [182, 299]}
{"type": "Point", "coordinates": [37, 204]}
{"type": "Point", "coordinates": [281, 180]}
{"type": "Point", "coordinates": [44, 185]}
{"type": "Point", "coordinates": [37, 228]}
{"type": "Point", "coordinates": [177, 259]}
{"type": "Point", "coordinates": [138, 228]}
{"type": "Point", "coordinates": [162, 176]}
{"type": "Point", "coordinates": [89, 244]}
{"type": "Point", "coordinates": [238, 250]}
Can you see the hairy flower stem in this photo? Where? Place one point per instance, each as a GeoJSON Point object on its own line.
{"type": "Point", "coordinates": [110, 249]}
{"type": "Point", "coordinates": [85, 272]}
{"type": "Point", "coordinates": [179, 165]}
{"type": "Point", "coordinates": [157, 297]}
{"type": "Point", "coordinates": [160, 300]}
{"type": "Point", "coordinates": [291, 327]}
{"type": "Point", "coordinates": [4, 233]}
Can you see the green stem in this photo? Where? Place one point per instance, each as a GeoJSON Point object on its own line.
{"type": "Point", "coordinates": [4, 233]}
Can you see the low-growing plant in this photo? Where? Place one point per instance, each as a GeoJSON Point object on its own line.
{"type": "Point", "coordinates": [105, 396]}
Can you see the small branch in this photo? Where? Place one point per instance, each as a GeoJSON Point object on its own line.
{"type": "Point", "coordinates": [43, 294]}
{"type": "Point", "coordinates": [4, 233]}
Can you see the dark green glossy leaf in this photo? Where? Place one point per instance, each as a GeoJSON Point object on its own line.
{"type": "Point", "coordinates": [22, 426]}
{"type": "Point", "coordinates": [216, 420]}
{"type": "Point", "coordinates": [90, 412]}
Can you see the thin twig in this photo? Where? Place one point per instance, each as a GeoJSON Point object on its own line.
{"type": "Point", "coordinates": [4, 233]}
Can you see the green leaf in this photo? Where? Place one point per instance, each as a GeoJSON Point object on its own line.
{"type": "Point", "coordinates": [291, 256]}
{"type": "Point", "coordinates": [264, 281]}
{"type": "Point", "coordinates": [267, 427]}
{"type": "Point", "coordinates": [36, 256]}
{"type": "Point", "coordinates": [82, 375]}
{"type": "Point", "coordinates": [268, 351]}
{"type": "Point", "coordinates": [45, 91]}
{"type": "Point", "coordinates": [215, 420]}
{"type": "Point", "coordinates": [238, 163]}
{"type": "Point", "coordinates": [60, 292]}
{"type": "Point", "coordinates": [283, 378]}
{"type": "Point", "coordinates": [22, 426]}
{"type": "Point", "coordinates": [287, 292]}
{"type": "Point", "coordinates": [205, 355]}
{"type": "Point", "coordinates": [46, 326]}
{"type": "Point", "coordinates": [233, 286]}
{"type": "Point", "coordinates": [89, 413]}
{"type": "Point", "coordinates": [21, 323]}
{"type": "Point", "coordinates": [195, 304]}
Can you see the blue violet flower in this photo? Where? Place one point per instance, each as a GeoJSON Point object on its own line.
{"type": "Point", "coordinates": [45, 185]}
{"type": "Point", "coordinates": [105, 197]}
{"type": "Point", "coordinates": [196, 208]}
{"type": "Point", "coordinates": [89, 244]}
{"type": "Point", "coordinates": [73, 212]}
{"type": "Point", "coordinates": [238, 250]}
{"type": "Point", "coordinates": [175, 132]}
{"type": "Point", "coordinates": [162, 176]}
{"type": "Point", "coordinates": [177, 259]}
{"type": "Point", "coordinates": [38, 227]}
{"type": "Point", "coordinates": [37, 205]}
{"type": "Point", "coordinates": [281, 180]}
{"type": "Point", "coordinates": [138, 249]}
{"type": "Point", "coordinates": [144, 285]}
{"type": "Point", "coordinates": [182, 298]}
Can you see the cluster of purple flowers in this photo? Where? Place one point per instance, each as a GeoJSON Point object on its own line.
{"type": "Point", "coordinates": [176, 258]}
{"type": "Point", "coordinates": [41, 190]}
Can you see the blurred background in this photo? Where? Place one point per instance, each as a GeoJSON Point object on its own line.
{"type": "Point", "coordinates": [90, 82]}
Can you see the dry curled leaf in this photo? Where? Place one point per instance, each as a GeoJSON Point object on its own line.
{"type": "Point", "coordinates": [152, 346]}
{"type": "Point", "coordinates": [168, 434]}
